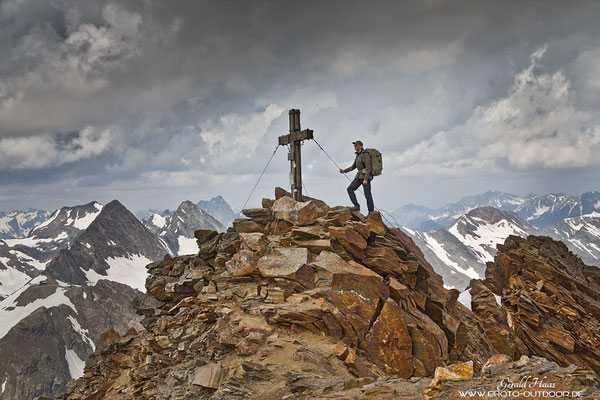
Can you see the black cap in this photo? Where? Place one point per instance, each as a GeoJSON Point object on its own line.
{"type": "Point", "coordinates": [358, 142]}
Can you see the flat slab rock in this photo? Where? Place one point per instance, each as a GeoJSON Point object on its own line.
{"type": "Point", "coordinates": [210, 375]}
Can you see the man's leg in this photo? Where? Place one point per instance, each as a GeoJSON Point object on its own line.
{"type": "Point", "coordinates": [369, 197]}
{"type": "Point", "coordinates": [355, 184]}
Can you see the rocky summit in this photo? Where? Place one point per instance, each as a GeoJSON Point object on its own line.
{"type": "Point", "coordinates": [301, 300]}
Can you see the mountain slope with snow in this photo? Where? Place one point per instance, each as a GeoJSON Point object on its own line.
{"type": "Point", "coordinates": [115, 246]}
{"type": "Point", "coordinates": [450, 258]}
{"type": "Point", "coordinates": [459, 253]}
{"type": "Point", "coordinates": [463, 248]}
{"type": "Point", "coordinates": [24, 258]}
{"type": "Point", "coordinates": [48, 330]}
{"type": "Point", "coordinates": [485, 227]}
{"type": "Point", "coordinates": [581, 235]}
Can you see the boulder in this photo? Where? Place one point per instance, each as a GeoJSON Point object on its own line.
{"type": "Point", "coordinates": [209, 376]}
{"type": "Point", "coordinates": [282, 262]}
{"type": "Point", "coordinates": [454, 372]}
{"type": "Point", "coordinates": [328, 263]}
{"type": "Point", "coordinates": [353, 242]}
{"type": "Point", "coordinates": [389, 342]}
{"type": "Point", "coordinates": [259, 215]}
{"type": "Point", "coordinates": [295, 212]}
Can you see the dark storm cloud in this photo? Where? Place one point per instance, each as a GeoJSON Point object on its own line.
{"type": "Point", "coordinates": [174, 100]}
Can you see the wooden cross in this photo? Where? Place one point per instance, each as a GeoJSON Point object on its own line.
{"type": "Point", "coordinates": [295, 138]}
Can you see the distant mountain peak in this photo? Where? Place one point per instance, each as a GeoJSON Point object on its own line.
{"type": "Point", "coordinates": [177, 230]}
{"type": "Point", "coordinates": [491, 214]}
{"type": "Point", "coordinates": [112, 238]}
{"type": "Point", "coordinates": [218, 208]}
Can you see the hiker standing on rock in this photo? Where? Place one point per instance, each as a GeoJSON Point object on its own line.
{"type": "Point", "coordinates": [364, 175]}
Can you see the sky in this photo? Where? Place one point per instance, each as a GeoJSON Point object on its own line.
{"type": "Point", "coordinates": [155, 102]}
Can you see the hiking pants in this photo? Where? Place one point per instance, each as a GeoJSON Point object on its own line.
{"type": "Point", "coordinates": [355, 184]}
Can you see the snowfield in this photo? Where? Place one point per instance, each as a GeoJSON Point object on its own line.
{"type": "Point", "coordinates": [130, 270]}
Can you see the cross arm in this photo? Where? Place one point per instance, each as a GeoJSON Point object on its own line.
{"type": "Point", "coordinates": [295, 136]}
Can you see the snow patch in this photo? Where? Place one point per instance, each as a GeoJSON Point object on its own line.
{"type": "Point", "coordinates": [11, 280]}
{"type": "Point", "coordinates": [76, 364]}
{"type": "Point", "coordinates": [4, 385]}
{"type": "Point", "coordinates": [165, 245]}
{"type": "Point", "coordinates": [85, 221]}
{"type": "Point", "coordinates": [498, 299]}
{"type": "Point", "coordinates": [33, 242]}
{"type": "Point", "coordinates": [82, 332]}
{"type": "Point", "coordinates": [187, 245]}
{"type": "Point", "coordinates": [410, 231]}
{"type": "Point", "coordinates": [465, 298]}
{"type": "Point", "coordinates": [572, 224]}
{"type": "Point", "coordinates": [129, 270]}
{"type": "Point", "coordinates": [158, 220]}
{"type": "Point", "coordinates": [538, 212]}
{"type": "Point", "coordinates": [35, 263]}
{"type": "Point", "coordinates": [593, 230]}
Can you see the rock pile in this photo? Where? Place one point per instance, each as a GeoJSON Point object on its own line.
{"type": "Point", "coordinates": [299, 300]}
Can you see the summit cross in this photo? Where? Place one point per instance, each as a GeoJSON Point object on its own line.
{"type": "Point", "coordinates": [295, 139]}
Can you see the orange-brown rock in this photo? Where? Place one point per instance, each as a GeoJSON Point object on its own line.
{"type": "Point", "coordinates": [295, 212]}
{"type": "Point", "coordinates": [385, 262]}
{"type": "Point", "coordinates": [389, 343]}
{"type": "Point", "coordinates": [353, 242]}
{"type": "Point", "coordinates": [375, 223]}
{"type": "Point", "coordinates": [454, 372]}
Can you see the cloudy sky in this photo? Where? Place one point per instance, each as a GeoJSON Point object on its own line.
{"type": "Point", "coordinates": [156, 102]}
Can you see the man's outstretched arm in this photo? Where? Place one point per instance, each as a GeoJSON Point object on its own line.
{"type": "Point", "coordinates": [350, 168]}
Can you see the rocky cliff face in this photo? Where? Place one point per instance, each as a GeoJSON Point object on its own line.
{"type": "Point", "coordinates": [550, 300]}
{"type": "Point", "coordinates": [304, 301]}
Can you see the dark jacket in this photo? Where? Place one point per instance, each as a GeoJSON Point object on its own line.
{"type": "Point", "coordinates": [363, 164]}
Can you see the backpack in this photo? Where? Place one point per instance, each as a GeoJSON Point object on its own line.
{"type": "Point", "coordinates": [376, 161]}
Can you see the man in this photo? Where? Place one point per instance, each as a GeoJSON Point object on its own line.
{"type": "Point", "coordinates": [363, 176]}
